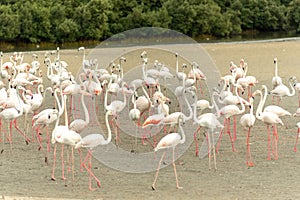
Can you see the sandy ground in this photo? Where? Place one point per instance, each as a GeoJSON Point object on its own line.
{"type": "Point", "coordinates": [25, 174]}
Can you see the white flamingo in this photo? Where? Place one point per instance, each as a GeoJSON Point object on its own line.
{"type": "Point", "coordinates": [91, 141]}
{"type": "Point", "coordinates": [134, 115]}
{"type": "Point", "coordinates": [210, 122]}
{"type": "Point", "coordinates": [181, 76]}
{"type": "Point", "coordinates": [63, 135]}
{"type": "Point", "coordinates": [170, 141]}
{"type": "Point", "coordinates": [270, 119]}
{"type": "Point", "coordinates": [231, 111]}
{"type": "Point", "coordinates": [247, 121]}
{"type": "Point", "coordinates": [276, 80]}
{"type": "Point", "coordinates": [78, 125]}
{"type": "Point", "coordinates": [283, 91]}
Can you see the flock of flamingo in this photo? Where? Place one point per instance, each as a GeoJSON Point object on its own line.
{"type": "Point", "coordinates": [23, 92]}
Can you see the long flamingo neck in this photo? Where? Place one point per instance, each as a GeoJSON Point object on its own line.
{"type": "Point", "coordinates": [66, 113]}
{"type": "Point", "coordinates": [177, 64]}
{"type": "Point", "coordinates": [240, 100]}
{"type": "Point", "coordinates": [195, 109]}
{"type": "Point", "coordinates": [246, 70]}
{"type": "Point", "coordinates": [259, 108]}
{"type": "Point", "coordinates": [182, 134]}
{"type": "Point", "coordinates": [146, 95]}
{"type": "Point", "coordinates": [106, 93]}
{"type": "Point", "coordinates": [293, 89]}
{"type": "Point", "coordinates": [144, 70]}
{"type": "Point", "coordinates": [86, 113]}
{"type": "Point", "coordinates": [276, 69]}
{"type": "Point", "coordinates": [216, 106]}
{"type": "Point", "coordinates": [108, 129]}
{"type": "Point", "coordinates": [190, 108]}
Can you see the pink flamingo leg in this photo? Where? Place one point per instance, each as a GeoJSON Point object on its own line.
{"type": "Point", "coordinates": [10, 131]}
{"type": "Point", "coordinates": [269, 141]}
{"type": "Point", "coordinates": [62, 163]}
{"type": "Point", "coordinates": [91, 174]}
{"type": "Point", "coordinates": [21, 132]}
{"type": "Point", "coordinates": [48, 139]}
{"type": "Point", "coordinates": [39, 139]}
{"type": "Point", "coordinates": [297, 137]}
{"type": "Point", "coordinates": [234, 128]}
{"type": "Point", "coordinates": [80, 158]}
{"type": "Point", "coordinates": [221, 133]}
{"type": "Point", "coordinates": [276, 142]}
{"type": "Point", "coordinates": [248, 155]}
{"type": "Point", "coordinates": [54, 161]}
{"type": "Point", "coordinates": [175, 173]}
{"type": "Point", "coordinates": [228, 131]}
{"type": "Point", "coordinates": [157, 171]}
{"type": "Point", "coordinates": [196, 141]}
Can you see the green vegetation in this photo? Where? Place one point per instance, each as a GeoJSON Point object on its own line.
{"type": "Point", "coordinates": [81, 20]}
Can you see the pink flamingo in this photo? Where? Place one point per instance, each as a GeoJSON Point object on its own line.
{"type": "Point", "coordinates": [269, 118]}
{"type": "Point", "coordinates": [181, 76]}
{"type": "Point", "coordinates": [297, 136]}
{"type": "Point", "coordinates": [210, 122]}
{"type": "Point", "coordinates": [63, 135]}
{"type": "Point", "coordinates": [231, 111]}
{"type": "Point", "coordinates": [247, 121]}
{"type": "Point", "coordinates": [172, 119]}
{"type": "Point", "coordinates": [199, 75]}
{"type": "Point", "coordinates": [282, 90]}
{"type": "Point", "coordinates": [46, 117]}
{"type": "Point", "coordinates": [296, 86]}
{"type": "Point", "coordinates": [116, 106]}
{"type": "Point", "coordinates": [12, 114]}
{"type": "Point", "coordinates": [170, 141]}
{"type": "Point", "coordinates": [276, 80]}
{"type": "Point", "coordinates": [134, 115]}
{"type": "Point", "coordinates": [91, 141]}
{"type": "Point", "coordinates": [78, 125]}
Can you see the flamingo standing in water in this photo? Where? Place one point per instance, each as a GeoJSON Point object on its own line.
{"type": "Point", "coordinates": [91, 141]}
{"type": "Point", "coordinates": [170, 141]}
{"type": "Point", "coordinates": [270, 119]}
